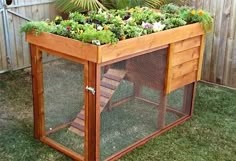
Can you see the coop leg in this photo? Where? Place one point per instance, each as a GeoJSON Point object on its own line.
{"type": "Point", "coordinates": [37, 82]}
{"type": "Point", "coordinates": [187, 99]}
{"type": "Point", "coordinates": [92, 115]}
{"type": "Point", "coordinates": [162, 110]}
{"type": "Point", "coordinates": [137, 89]}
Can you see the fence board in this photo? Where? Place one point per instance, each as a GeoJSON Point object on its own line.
{"type": "Point", "coordinates": [20, 50]}
{"type": "Point", "coordinates": [3, 58]}
{"type": "Point", "coordinates": [220, 54]}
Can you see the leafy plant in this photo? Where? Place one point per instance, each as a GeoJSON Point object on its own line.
{"type": "Point", "coordinates": [98, 37]}
{"type": "Point", "coordinates": [174, 22]}
{"type": "Point", "coordinates": [88, 5]}
{"type": "Point", "coordinates": [206, 20]}
{"type": "Point", "coordinates": [36, 27]}
{"type": "Point", "coordinates": [191, 15]}
{"type": "Point", "coordinates": [77, 17]}
{"type": "Point", "coordinates": [78, 5]}
{"type": "Point", "coordinates": [169, 8]}
{"type": "Point", "coordinates": [103, 27]}
{"type": "Point", "coordinates": [122, 4]}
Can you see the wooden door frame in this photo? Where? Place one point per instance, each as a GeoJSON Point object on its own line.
{"type": "Point", "coordinates": [92, 114]}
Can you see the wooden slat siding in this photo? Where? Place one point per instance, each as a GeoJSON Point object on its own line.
{"type": "Point", "coordinates": [183, 80]}
{"type": "Point", "coordinates": [216, 42]}
{"type": "Point", "coordinates": [209, 5]}
{"type": "Point", "coordinates": [18, 39]}
{"type": "Point", "coordinates": [233, 72]}
{"type": "Point", "coordinates": [219, 64]}
{"type": "Point", "coordinates": [185, 56]}
{"type": "Point", "coordinates": [233, 66]}
{"type": "Point", "coordinates": [52, 11]}
{"type": "Point", "coordinates": [229, 48]}
{"type": "Point", "coordinates": [26, 54]}
{"type": "Point", "coordinates": [148, 42]}
{"type": "Point", "coordinates": [187, 44]}
{"type": "Point", "coordinates": [3, 59]}
{"type": "Point", "coordinates": [185, 68]}
{"type": "Point", "coordinates": [20, 56]}
{"type": "Point", "coordinates": [199, 3]}
{"type": "Point", "coordinates": [223, 40]}
{"type": "Point", "coordinates": [13, 41]}
{"type": "Point", "coordinates": [184, 62]}
{"type": "Point", "coordinates": [28, 13]}
{"type": "Point", "coordinates": [65, 45]}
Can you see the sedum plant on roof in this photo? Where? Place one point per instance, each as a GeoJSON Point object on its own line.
{"type": "Point", "coordinates": [110, 26]}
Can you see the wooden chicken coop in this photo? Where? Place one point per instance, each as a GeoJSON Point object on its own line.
{"type": "Point", "coordinates": [127, 93]}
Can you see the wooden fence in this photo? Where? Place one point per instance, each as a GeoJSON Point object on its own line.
{"type": "Point", "coordinates": [17, 14]}
{"type": "Point", "coordinates": [220, 57]}
{"type": "Point", "coordinates": [220, 54]}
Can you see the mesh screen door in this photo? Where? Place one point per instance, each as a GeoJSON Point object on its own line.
{"type": "Point", "coordinates": [133, 103]}
{"type": "Point", "coordinates": [64, 103]}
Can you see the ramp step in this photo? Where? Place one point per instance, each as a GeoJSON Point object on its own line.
{"type": "Point", "coordinates": [113, 77]}
{"type": "Point", "coordinates": [105, 94]}
{"type": "Point", "coordinates": [103, 104]}
{"type": "Point", "coordinates": [76, 131]}
{"type": "Point", "coordinates": [77, 126]}
{"type": "Point", "coordinates": [109, 84]}
{"type": "Point", "coordinates": [81, 116]}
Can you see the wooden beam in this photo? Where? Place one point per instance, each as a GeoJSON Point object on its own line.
{"type": "Point", "coordinates": [37, 82]}
{"type": "Point", "coordinates": [169, 69]}
{"type": "Point", "coordinates": [90, 117]}
{"type": "Point", "coordinates": [62, 149]}
{"type": "Point", "coordinates": [145, 140]}
{"type": "Point", "coordinates": [187, 99]}
{"type": "Point", "coordinates": [168, 108]}
{"type": "Point", "coordinates": [58, 128]}
{"type": "Point", "coordinates": [162, 110]}
{"type": "Point", "coordinates": [200, 62]}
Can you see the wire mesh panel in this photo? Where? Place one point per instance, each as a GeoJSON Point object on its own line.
{"type": "Point", "coordinates": [64, 103]}
{"type": "Point", "coordinates": [134, 104]}
{"type": "Point", "coordinates": [129, 96]}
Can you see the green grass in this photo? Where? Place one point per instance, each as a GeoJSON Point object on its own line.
{"type": "Point", "coordinates": [209, 136]}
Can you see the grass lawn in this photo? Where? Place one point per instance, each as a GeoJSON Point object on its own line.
{"type": "Point", "coordinates": [209, 136]}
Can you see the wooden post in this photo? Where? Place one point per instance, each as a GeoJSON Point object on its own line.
{"type": "Point", "coordinates": [187, 99]}
{"type": "Point", "coordinates": [92, 114]}
{"type": "Point", "coordinates": [37, 82]}
{"type": "Point", "coordinates": [137, 89]}
{"type": "Point", "coordinates": [162, 110]}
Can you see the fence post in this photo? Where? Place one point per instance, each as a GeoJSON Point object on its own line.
{"type": "Point", "coordinates": [6, 34]}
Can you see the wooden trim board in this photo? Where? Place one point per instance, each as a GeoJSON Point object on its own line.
{"type": "Point", "coordinates": [109, 52]}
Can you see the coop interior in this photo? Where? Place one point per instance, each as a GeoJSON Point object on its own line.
{"type": "Point", "coordinates": [132, 98]}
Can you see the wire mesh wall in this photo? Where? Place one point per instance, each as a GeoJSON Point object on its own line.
{"type": "Point", "coordinates": [63, 100]}
{"type": "Point", "coordinates": [133, 104]}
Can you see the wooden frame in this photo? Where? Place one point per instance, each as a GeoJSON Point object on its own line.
{"type": "Point", "coordinates": [185, 53]}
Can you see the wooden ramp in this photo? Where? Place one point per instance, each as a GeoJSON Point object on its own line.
{"type": "Point", "coordinates": [110, 82]}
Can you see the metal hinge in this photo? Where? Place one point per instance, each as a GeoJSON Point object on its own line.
{"type": "Point", "coordinates": [90, 89]}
